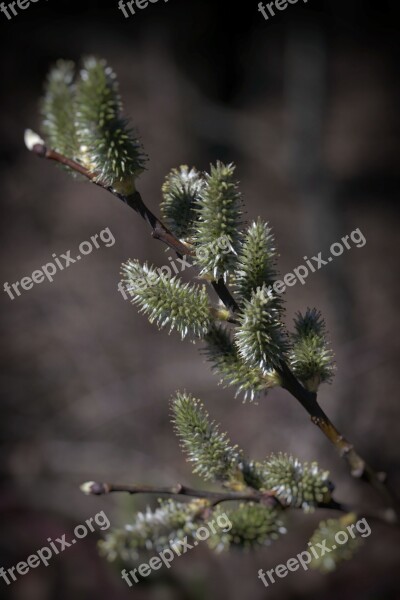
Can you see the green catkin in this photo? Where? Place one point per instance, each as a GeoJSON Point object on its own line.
{"type": "Point", "coordinates": [181, 194]}
{"type": "Point", "coordinates": [58, 110]}
{"type": "Point", "coordinates": [252, 526]}
{"type": "Point", "coordinates": [167, 301]}
{"type": "Point", "coordinates": [210, 451]}
{"type": "Point", "coordinates": [218, 225]}
{"type": "Point", "coordinates": [224, 356]}
{"type": "Point", "coordinates": [256, 261]}
{"type": "Point", "coordinates": [311, 358]}
{"type": "Point", "coordinates": [108, 147]}
{"type": "Point", "coordinates": [261, 337]}
{"type": "Point", "coordinates": [296, 484]}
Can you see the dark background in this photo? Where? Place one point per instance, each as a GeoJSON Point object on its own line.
{"type": "Point", "coordinates": [306, 105]}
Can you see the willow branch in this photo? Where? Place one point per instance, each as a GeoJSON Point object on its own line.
{"type": "Point", "coordinates": [93, 488]}
{"type": "Point", "coordinates": [99, 489]}
{"type": "Point", "coordinates": [358, 466]}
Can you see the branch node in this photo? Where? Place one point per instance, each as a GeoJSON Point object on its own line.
{"type": "Point", "coordinates": [358, 471]}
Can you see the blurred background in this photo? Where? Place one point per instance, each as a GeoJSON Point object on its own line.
{"type": "Point", "coordinates": [306, 105]}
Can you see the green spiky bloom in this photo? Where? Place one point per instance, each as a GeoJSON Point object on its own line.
{"type": "Point", "coordinates": [261, 337]}
{"type": "Point", "coordinates": [337, 552]}
{"type": "Point", "coordinates": [210, 451]}
{"type": "Point", "coordinates": [256, 261]}
{"type": "Point", "coordinates": [296, 484]}
{"type": "Point", "coordinates": [311, 359]}
{"type": "Point", "coordinates": [82, 120]}
{"type": "Point", "coordinates": [181, 194]}
{"type": "Point", "coordinates": [152, 531]}
{"type": "Point", "coordinates": [167, 301]}
{"type": "Point", "coordinates": [107, 145]}
{"type": "Point", "coordinates": [58, 110]}
{"type": "Point", "coordinates": [219, 222]}
{"type": "Point", "coordinates": [253, 525]}
{"type": "Point", "coordinates": [224, 356]}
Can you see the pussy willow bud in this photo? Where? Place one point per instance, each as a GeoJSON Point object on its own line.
{"type": "Point", "coordinates": [209, 450]}
{"type": "Point", "coordinates": [261, 337]}
{"type": "Point", "coordinates": [167, 301]}
{"type": "Point", "coordinates": [218, 225]}
{"type": "Point", "coordinates": [181, 194]}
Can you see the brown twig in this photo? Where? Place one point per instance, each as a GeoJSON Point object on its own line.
{"type": "Point", "coordinates": [358, 466]}
{"type": "Point", "coordinates": [99, 489]}
{"type": "Point", "coordinates": [268, 498]}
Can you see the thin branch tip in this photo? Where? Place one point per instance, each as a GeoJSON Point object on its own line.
{"type": "Point", "coordinates": [93, 488]}
{"type": "Point", "coordinates": [34, 142]}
